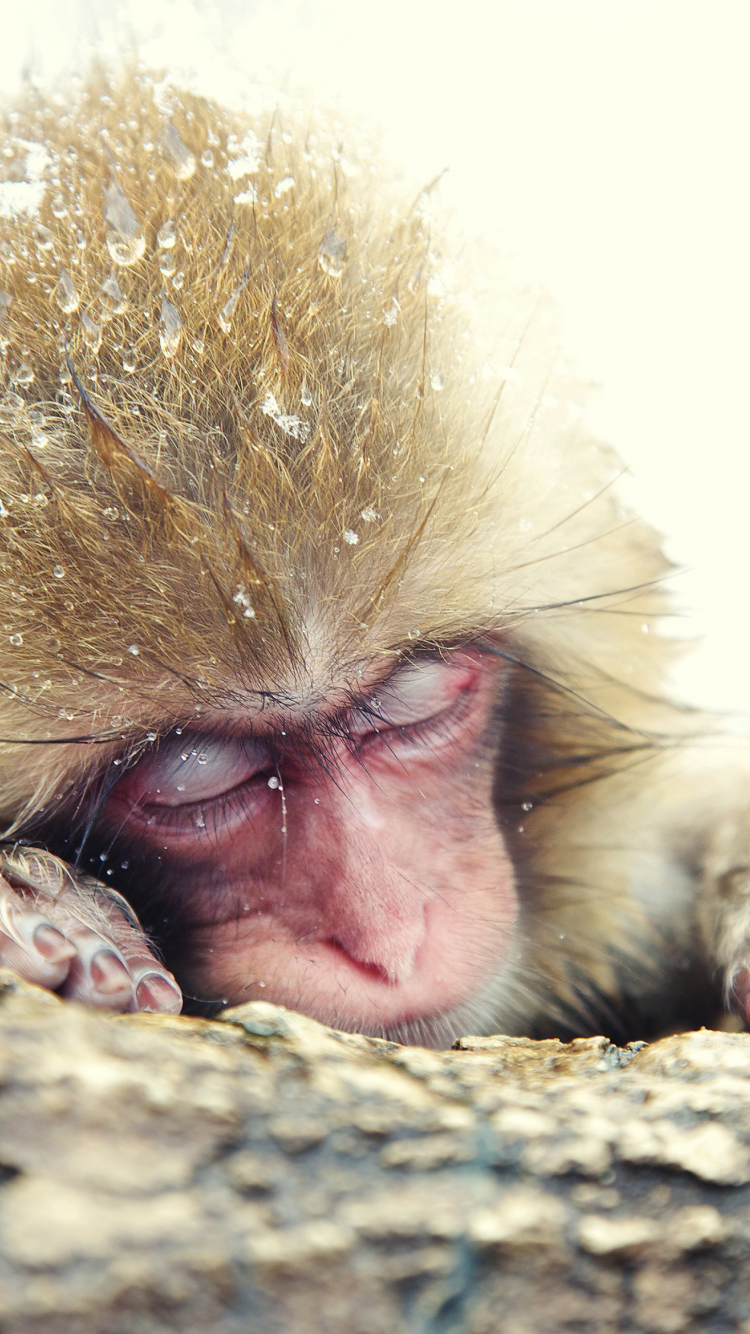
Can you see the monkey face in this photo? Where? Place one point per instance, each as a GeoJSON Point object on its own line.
{"type": "Point", "coordinates": [345, 859]}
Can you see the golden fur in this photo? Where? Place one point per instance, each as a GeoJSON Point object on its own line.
{"type": "Point", "coordinates": [247, 442]}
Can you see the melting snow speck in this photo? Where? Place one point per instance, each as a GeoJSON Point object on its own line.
{"type": "Point", "coordinates": [242, 599]}
{"type": "Point", "coordinates": [248, 158]}
{"type": "Point", "coordinates": [392, 314]}
{"type": "Point", "coordinates": [289, 423]}
{"type": "Point", "coordinates": [351, 537]}
{"type": "Point", "coordinates": [21, 197]}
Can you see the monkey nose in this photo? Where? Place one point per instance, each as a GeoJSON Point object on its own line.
{"type": "Point", "coordinates": [387, 952]}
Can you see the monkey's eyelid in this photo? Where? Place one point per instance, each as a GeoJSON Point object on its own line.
{"type": "Point", "coordinates": [192, 769]}
{"type": "Point", "coordinates": [417, 692]}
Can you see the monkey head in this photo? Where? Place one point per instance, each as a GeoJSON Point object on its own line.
{"type": "Point", "coordinates": [320, 622]}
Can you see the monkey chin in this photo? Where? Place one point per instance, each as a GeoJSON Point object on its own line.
{"type": "Point", "coordinates": [424, 992]}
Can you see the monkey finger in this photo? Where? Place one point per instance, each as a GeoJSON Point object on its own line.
{"type": "Point", "coordinates": [741, 993]}
{"type": "Point", "coordinates": [98, 975]}
{"type": "Point", "coordinates": [155, 989]}
{"type": "Point", "coordinates": [30, 944]}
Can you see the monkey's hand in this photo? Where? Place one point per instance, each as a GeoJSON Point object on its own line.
{"type": "Point", "coordinates": [78, 938]}
{"type": "Point", "coordinates": [724, 910]}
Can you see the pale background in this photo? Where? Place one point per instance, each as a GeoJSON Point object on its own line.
{"type": "Point", "coordinates": [606, 146]}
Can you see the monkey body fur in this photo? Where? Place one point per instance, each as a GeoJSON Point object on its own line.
{"type": "Point", "coordinates": [251, 466]}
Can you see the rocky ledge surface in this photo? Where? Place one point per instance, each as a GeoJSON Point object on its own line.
{"type": "Point", "coordinates": [263, 1173]}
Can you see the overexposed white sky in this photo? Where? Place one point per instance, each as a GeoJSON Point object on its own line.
{"type": "Point", "coordinates": [605, 145]}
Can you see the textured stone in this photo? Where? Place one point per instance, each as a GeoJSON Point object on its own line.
{"type": "Point", "coordinates": [263, 1172]}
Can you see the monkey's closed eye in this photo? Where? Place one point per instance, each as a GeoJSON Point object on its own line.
{"type": "Point", "coordinates": [193, 769]}
{"type": "Point", "coordinates": [420, 693]}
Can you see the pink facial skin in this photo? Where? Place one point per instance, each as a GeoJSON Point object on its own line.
{"type": "Point", "coordinates": [346, 865]}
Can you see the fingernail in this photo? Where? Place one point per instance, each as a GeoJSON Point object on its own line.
{"type": "Point", "coordinates": [154, 993]}
{"type": "Point", "coordinates": [51, 944]}
{"type": "Point", "coordinates": [108, 973]}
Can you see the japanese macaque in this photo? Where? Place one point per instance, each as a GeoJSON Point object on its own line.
{"type": "Point", "coordinates": [329, 660]}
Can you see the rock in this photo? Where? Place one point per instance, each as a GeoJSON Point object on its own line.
{"type": "Point", "coordinates": [264, 1173]}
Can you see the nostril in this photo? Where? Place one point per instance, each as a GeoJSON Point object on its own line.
{"type": "Point", "coordinates": [373, 970]}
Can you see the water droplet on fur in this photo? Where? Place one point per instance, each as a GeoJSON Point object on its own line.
{"type": "Point", "coordinates": [125, 251]}
{"type": "Point", "coordinates": [58, 206]}
{"type": "Point", "coordinates": [92, 334]}
{"type": "Point", "coordinates": [16, 640]}
{"type": "Point", "coordinates": [43, 238]}
{"type": "Point", "coordinates": [437, 382]}
{"type": "Point", "coordinates": [123, 242]}
{"type": "Point", "coordinates": [305, 397]}
{"type": "Point", "coordinates": [24, 375]}
{"type": "Point", "coordinates": [200, 822]}
{"type": "Point", "coordinates": [129, 360]}
{"type": "Point", "coordinates": [112, 300]}
{"type": "Point", "coordinates": [414, 634]}
{"type": "Point", "coordinates": [227, 311]}
{"type": "Point", "coordinates": [182, 158]}
{"type": "Point", "coordinates": [134, 650]}
{"type": "Point", "coordinates": [58, 572]}
{"type": "Point", "coordinates": [166, 235]}
{"type": "Point", "coordinates": [170, 330]}
{"type": "Point", "coordinates": [207, 158]}
{"type": "Point", "coordinates": [65, 294]}
{"type": "Point", "coordinates": [167, 264]}
{"type": "Point", "coordinates": [332, 254]}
